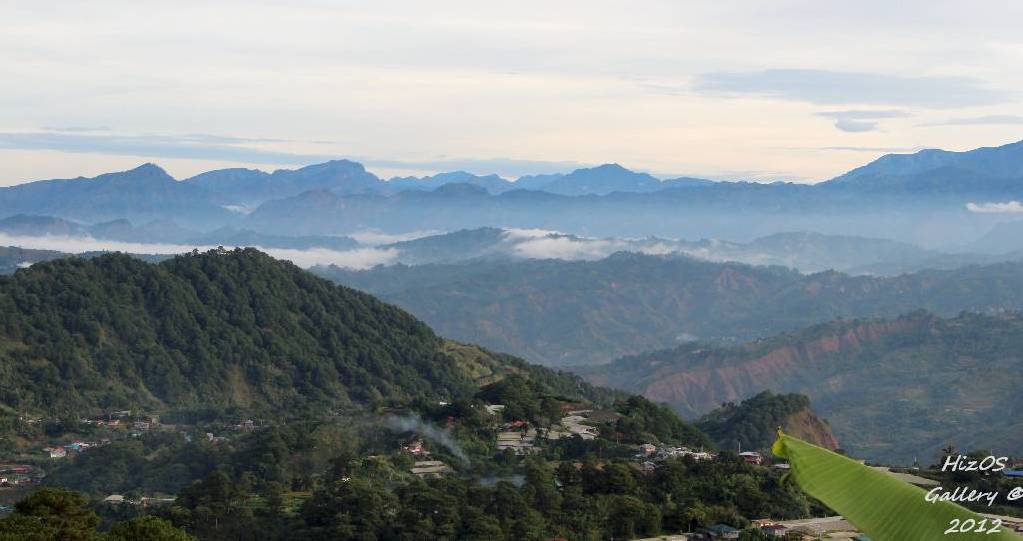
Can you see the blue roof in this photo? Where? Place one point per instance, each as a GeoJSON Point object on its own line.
{"type": "Point", "coordinates": [1013, 473]}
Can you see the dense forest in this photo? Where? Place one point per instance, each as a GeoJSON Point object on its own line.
{"type": "Point", "coordinates": [227, 329]}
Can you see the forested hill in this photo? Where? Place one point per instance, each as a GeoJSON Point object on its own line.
{"type": "Point", "coordinates": [753, 423]}
{"type": "Point", "coordinates": [219, 329]}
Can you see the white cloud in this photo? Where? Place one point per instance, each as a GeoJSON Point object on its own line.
{"type": "Point", "coordinates": [518, 234]}
{"type": "Point", "coordinates": [1007, 207]}
{"type": "Point", "coordinates": [361, 258]}
{"type": "Point", "coordinates": [376, 238]}
{"type": "Point", "coordinates": [575, 248]}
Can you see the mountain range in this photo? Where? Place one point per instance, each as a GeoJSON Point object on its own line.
{"type": "Point", "coordinates": [590, 312]}
{"type": "Point", "coordinates": [890, 388]}
{"type": "Point", "coordinates": [935, 198]}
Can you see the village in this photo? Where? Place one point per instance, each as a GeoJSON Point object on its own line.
{"type": "Point", "coordinates": [510, 437]}
{"type": "Point", "coordinates": [520, 438]}
{"type": "Point", "coordinates": [25, 469]}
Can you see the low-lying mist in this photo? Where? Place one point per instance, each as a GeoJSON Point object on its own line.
{"type": "Point", "coordinates": [359, 258]}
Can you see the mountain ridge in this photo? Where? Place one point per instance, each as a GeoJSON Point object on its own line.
{"type": "Point", "coordinates": [891, 389]}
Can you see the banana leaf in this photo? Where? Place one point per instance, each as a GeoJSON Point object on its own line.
{"type": "Point", "coordinates": [883, 507]}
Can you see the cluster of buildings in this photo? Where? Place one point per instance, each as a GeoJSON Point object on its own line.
{"type": "Point", "coordinates": [77, 446]}
{"type": "Point", "coordinates": [522, 441]}
{"type": "Point", "coordinates": [652, 454]}
{"type": "Point", "coordinates": [424, 467]}
{"type": "Point", "coordinates": [145, 501]}
{"type": "Point", "coordinates": [519, 437]}
{"type": "Point", "coordinates": [18, 475]}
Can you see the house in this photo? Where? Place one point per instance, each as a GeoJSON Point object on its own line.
{"type": "Point", "coordinates": [775, 530]}
{"type": "Point", "coordinates": [415, 448]}
{"type": "Point", "coordinates": [722, 531]}
{"type": "Point", "coordinates": [78, 446]}
{"type": "Point", "coordinates": [56, 452]}
{"type": "Point", "coordinates": [430, 468]}
{"type": "Point", "coordinates": [520, 442]}
{"type": "Point", "coordinates": [752, 457]}
{"type": "Point", "coordinates": [114, 499]}
{"type": "Point", "coordinates": [246, 425]}
{"type": "Point", "coordinates": [647, 449]}
{"type": "Point", "coordinates": [494, 409]}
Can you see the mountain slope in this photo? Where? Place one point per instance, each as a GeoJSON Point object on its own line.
{"type": "Point", "coordinates": [588, 312]}
{"type": "Point", "coordinates": [219, 329]}
{"type": "Point", "coordinates": [1004, 161]}
{"type": "Point", "coordinates": [142, 194]}
{"type": "Point", "coordinates": [250, 186]}
{"type": "Point", "coordinates": [891, 389]}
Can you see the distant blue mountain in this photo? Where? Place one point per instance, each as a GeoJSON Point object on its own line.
{"type": "Point", "coordinates": [981, 170]}
{"type": "Point", "coordinates": [247, 186]}
{"type": "Point", "coordinates": [144, 193]}
{"type": "Point", "coordinates": [921, 197]}
{"type": "Point", "coordinates": [491, 183]}
{"type": "Point", "coordinates": [604, 179]}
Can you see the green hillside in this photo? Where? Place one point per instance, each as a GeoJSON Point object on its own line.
{"type": "Point", "coordinates": [225, 329]}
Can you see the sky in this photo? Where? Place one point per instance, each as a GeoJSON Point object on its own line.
{"type": "Point", "coordinates": [781, 90]}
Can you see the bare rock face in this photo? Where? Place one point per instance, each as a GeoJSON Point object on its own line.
{"type": "Point", "coordinates": [807, 426]}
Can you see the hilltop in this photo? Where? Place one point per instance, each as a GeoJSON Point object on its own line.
{"type": "Point", "coordinates": [221, 329]}
{"type": "Point", "coordinates": [752, 425]}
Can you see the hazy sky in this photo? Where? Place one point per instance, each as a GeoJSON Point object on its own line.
{"type": "Point", "coordinates": [758, 90]}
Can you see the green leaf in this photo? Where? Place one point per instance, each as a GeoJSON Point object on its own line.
{"type": "Point", "coordinates": [883, 507]}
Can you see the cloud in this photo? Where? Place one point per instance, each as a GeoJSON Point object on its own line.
{"type": "Point", "coordinates": [978, 121]}
{"type": "Point", "coordinates": [376, 238]}
{"type": "Point", "coordinates": [199, 146]}
{"type": "Point", "coordinates": [888, 150]}
{"type": "Point", "coordinates": [361, 258]}
{"type": "Point", "coordinates": [1007, 207]}
{"type": "Point", "coordinates": [835, 88]}
{"type": "Point", "coordinates": [855, 126]}
{"type": "Point", "coordinates": [860, 120]}
{"type": "Point", "coordinates": [581, 249]}
{"type": "Point", "coordinates": [75, 129]}
{"type": "Point", "coordinates": [195, 146]}
{"type": "Point", "coordinates": [506, 167]}
{"type": "Point", "coordinates": [519, 234]}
